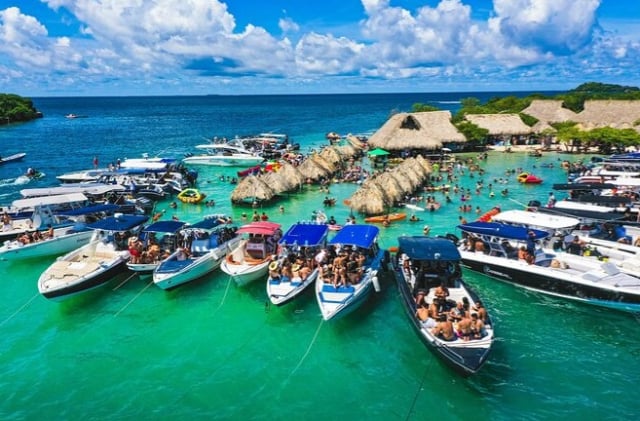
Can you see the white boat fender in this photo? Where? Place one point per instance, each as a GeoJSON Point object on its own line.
{"type": "Point", "coordinates": [375, 281]}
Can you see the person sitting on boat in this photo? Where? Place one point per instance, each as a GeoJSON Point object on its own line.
{"type": "Point", "coordinates": [444, 329]}
{"type": "Point", "coordinates": [6, 222]}
{"type": "Point", "coordinates": [183, 254]}
{"type": "Point", "coordinates": [135, 249]}
{"type": "Point", "coordinates": [575, 247]}
{"type": "Point", "coordinates": [274, 270]}
{"type": "Point", "coordinates": [457, 313]}
{"type": "Point", "coordinates": [477, 326]}
{"type": "Point", "coordinates": [481, 311]}
{"type": "Point", "coordinates": [464, 327]}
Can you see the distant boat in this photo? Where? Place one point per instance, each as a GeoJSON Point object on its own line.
{"type": "Point", "coordinates": [72, 116]}
{"type": "Point", "coordinates": [11, 158]}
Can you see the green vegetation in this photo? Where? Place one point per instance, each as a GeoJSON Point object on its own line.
{"type": "Point", "coordinates": [14, 108]}
{"type": "Point", "coordinates": [419, 108]}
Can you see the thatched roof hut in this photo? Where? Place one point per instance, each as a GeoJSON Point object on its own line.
{"type": "Point", "coordinates": [355, 142]}
{"type": "Point", "coordinates": [426, 130]}
{"type": "Point", "coordinates": [315, 169]}
{"type": "Point", "coordinates": [292, 176]}
{"type": "Point", "coordinates": [252, 188]}
{"type": "Point", "coordinates": [619, 114]}
{"type": "Point", "coordinates": [370, 199]}
{"type": "Point", "coordinates": [332, 155]}
{"type": "Point", "coordinates": [500, 124]}
{"type": "Point", "coordinates": [549, 111]}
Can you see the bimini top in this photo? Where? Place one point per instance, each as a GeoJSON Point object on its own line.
{"type": "Point", "coordinates": [209, 222]}
{"type": "Point", "coordinates": [360, 235]}
{"type": "Point", "coordinates": [302, 234]}
{"type": "Point", "coordinates": [502, 230]}
{"type": "Point", "coordinates": [261, 228]}
{"type": "Point", "coordinates": [85, 210]}
{"type": "Point", "coordinates": [118, 222]}
{"type": "Point", "coordinates": [536, 219]}
{"type": "Point", "coordinates": [165, 226]}
{"type": "Point", "coordinates": [419, 247]}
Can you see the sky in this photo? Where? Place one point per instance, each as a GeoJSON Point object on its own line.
{"type": "Point", "coordinates": [245, 47]}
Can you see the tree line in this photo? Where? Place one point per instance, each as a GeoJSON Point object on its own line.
{"type": "Point", "coordinates": [606, 139]}
{"type": "Point", "coordinates": [14, 109]}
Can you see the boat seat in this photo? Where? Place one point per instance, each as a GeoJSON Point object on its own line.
{"type": "Point", "coordinates": [200, 246]}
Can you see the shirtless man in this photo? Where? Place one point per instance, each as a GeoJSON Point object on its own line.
{"type": "Point", "coordinates": [482, 312]}
{"type": "Point", "coordinates": [444, 329]}
{"type": "Point", "coordinates": [477, 326]}
{"type": "Point", "coordinates": [465, 328]}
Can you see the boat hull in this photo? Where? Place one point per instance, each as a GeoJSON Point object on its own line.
{"type": "Point", "coordinates": [189, 271]}
{"type": "Point", "coordinates": [244, 274]}
{"type": "Point", "coordinates": [550, 282]}
{"type": "Point", "coordinates": [223, 161]}
{"type": "Point", "coordinates": [44, 248]}
{"type": "Point", "coordinates": [283, 292]}
{"type": "Point", "coordinates": [337, 303]}
{"type": "Point", "coordinates": [85, 283]}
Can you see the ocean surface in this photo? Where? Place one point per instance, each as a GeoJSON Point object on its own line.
{"type": "Point", "coordinates": [211, 350]}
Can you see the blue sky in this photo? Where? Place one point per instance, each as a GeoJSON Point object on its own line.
{"type": "Point", "coordinates": [185, 47]}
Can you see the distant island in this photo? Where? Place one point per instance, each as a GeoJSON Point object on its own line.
{"type": "Point", "coordinates": [15, 109]}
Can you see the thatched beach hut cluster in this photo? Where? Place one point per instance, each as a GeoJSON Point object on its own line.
{"type": "Point", "coordinates": [424, 131]}
{"type": "Point", "coordinates": [316, 167]}
{"type": "Point", "coordinates": [378, 194]}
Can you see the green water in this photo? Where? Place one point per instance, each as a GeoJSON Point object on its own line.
{"type": "Point", "coordinates": [211, 350]}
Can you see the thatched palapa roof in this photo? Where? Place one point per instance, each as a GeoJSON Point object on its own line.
{"type": "Point", "coordinates": [252, 187]}
{"type": "Point", "coordinates": [426, 130]}
{"type": "Point", "coordinates": [500, 124]}
{"type": "Point", "coordinates": [549, 111]}
{"type": "Point", "coordinates": [619, 114]}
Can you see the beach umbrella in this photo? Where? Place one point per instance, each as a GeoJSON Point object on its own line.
{"type": "Point", "coordinates": [252, 188]}
{"type": "Point", "coordinates": [378, 152]}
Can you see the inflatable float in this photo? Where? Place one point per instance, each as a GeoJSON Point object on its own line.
{"type": "Point", "coordinates": [527, 178]}
{"type": "Point", "coordinates": [191, 196]}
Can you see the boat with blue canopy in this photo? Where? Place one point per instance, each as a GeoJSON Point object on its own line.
{"type": "Point", "coordinates": [295, 268]}
{"type": "Point", "coordinates": [59, 239]}
{"type": "Point", "coordinates": [342, 286]}
{"type": "Point", "coordinates": [513, 254]}
{"type": "Point", "coordinates": [155, 242]}
{"type": "Point", "coordinates": [424, 269]}
{"type": "Point", "coordinates": [201, 248]}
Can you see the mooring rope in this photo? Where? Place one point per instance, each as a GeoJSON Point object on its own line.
{"type": "Point", "coordinates": [20, 309]}
{"type": "Point", "coordinates": [134, 298]}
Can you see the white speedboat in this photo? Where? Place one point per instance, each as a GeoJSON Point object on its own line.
{"type": "Point", "coordinates": [421, 265]}
{"type": "Point", "coordinates": [250, 258]}
{"type": "Point", "coordinates": [156, 240]}
{"type": "Point", "coordinates": [41, 213]}
{"type": "Point", "coordinates": [204, 246]}
{"type": "Point", "coordinates": [579, 279]}
{"type": "Point", "coordinates": [228, 154]}
{"type": "Point", "coordinates": [338, 300]}
{"type": "Point", "coordinates": [93, 264]}
{"type": "Point", "coordinates": [51, 241]}
{"type": "Point", "coordinates": [297, 248]}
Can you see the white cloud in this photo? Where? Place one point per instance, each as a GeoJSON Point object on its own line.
{"type": "Point", "coordinates": [146, 40]}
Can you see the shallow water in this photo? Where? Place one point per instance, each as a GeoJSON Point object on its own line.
{"type": "Point", "coordinates": [212, 350]}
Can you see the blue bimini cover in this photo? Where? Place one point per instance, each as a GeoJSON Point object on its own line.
{"type": "Point", "coordinates": [302, 234]}
{"type": "Point", "coordinates": [428, 248]}
{"type": "Point", "coordinates": [165, 226]}
{"type": "Point", "coordinates": [360, 235]}
{"type": "Point", "coordinates": [118, 223]}
{"type": "Point", "coordinates": [502, 230]}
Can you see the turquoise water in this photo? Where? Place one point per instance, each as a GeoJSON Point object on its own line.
{"type": "Point", "coordinates": [212, 350]}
